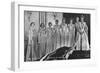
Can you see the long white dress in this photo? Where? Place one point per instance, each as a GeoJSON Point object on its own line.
{"type": "Point", "coordinates": [42, 39]}
{"type": "Point", "coordinates": [66, 29]}
{"type": "Point", "coordinates": [78, 36]}
{"type": "Point", "coordinates": [49, 47]}
{"type": "Point", "coordinates": [35, 50]}
{"type": "Point", "coordinates": [32, 45]}
{"type": "Point", "coordinates": [57, 36]}
{"type": "Point", "coordinates": [71, 35]}
{"type": "Point", "coordinates": [62, 34]}
{"type": "Point", "coordinates": [54, 44]}
{"type": "Point", "coordinates": [83, 43]}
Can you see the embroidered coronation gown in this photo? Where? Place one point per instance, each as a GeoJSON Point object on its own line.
{"type": "Point", "coordinates": [82, 35]}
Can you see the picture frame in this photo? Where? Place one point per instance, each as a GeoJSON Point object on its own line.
{"type": "Point", "coordinates": [17, 35]}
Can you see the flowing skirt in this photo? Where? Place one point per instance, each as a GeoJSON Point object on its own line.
{"type": "Point", "coordinates": [32, 51]}
{"type": "Point", "coordinates": [58, 40]}
{"type": "Point", "coordinates": [62, 39]}
{"type": "Point", "coordinates": [83, 43]}
{"type": "Point", "coordinates": [71, 38]}
{"type": "Point", "coordinates": [66, 39]}
{"type": "Point", "coordinates": [42, 47]}
{"type": "Point", "coordinates": [49, 47]}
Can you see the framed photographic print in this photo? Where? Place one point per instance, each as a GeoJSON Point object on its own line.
{"type": "Point", "coordinates": [52, 36]}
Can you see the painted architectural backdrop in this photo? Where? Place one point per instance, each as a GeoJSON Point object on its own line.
{"type": "Point", "coordinates": [40, 17]}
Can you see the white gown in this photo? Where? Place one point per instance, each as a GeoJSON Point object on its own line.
{"type": "Point", "coordinates": [49, 47]}
{"type": "Point", "coordinates": [62, 34]}
{"type": "Point", "coordinates": [66, 29]}
{"type": "Point", "coordinates": [71, 35]}
{"type": "Point", "coordinates": [83, 43]}
{"type": "Point", "coordinates": [32, 45]}
{"type": "Point", "coordinates": [42, 39]}
{"type": "Point", "coordinates": [57, 36]}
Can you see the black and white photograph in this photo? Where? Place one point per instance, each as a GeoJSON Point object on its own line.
{"type": "Point", "coordinates": [52, 36]}
{"type": "Point", "coordinates": [47, 36]}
